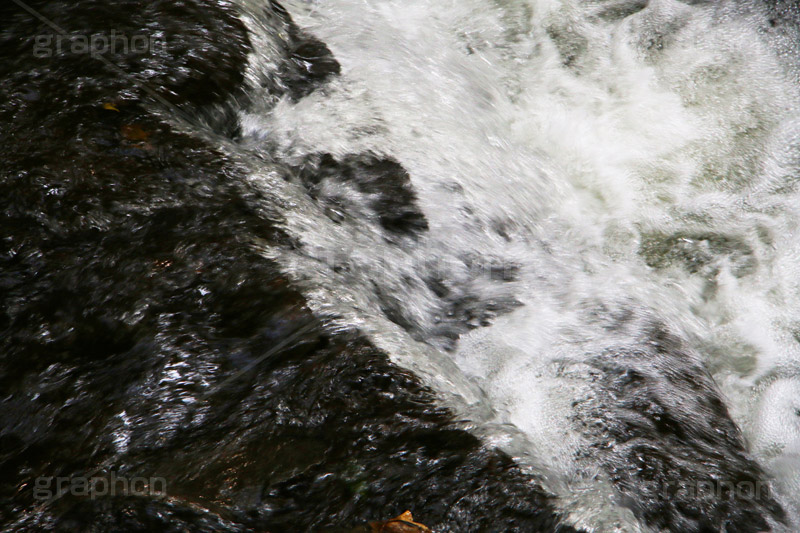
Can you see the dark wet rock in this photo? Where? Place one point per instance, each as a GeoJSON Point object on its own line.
{"type": "Point", "coordinates": [698, 252]}
{"type": "Point", "coordinates": [571, 45]}
{"type": "Point", "coordinates": [619, 10]}
{"type": "Point", "coordinates": [384, 182]}
{"type": "Point", "coordinates": [302, 64]}
{"type": "Point", "coordinates": [668, 442]}
{"type": "Point", "coordinates": [464, 312]}
{"type": "Point", "coordinates": [310, 61]}
{"type": "Point", "coordinates": [143, 334]}
{"type": "Point", "coordinates": [131, 514]}
{"type": "Point", "coordinates": [180, 39]}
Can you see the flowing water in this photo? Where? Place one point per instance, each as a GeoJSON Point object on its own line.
{"type": "Point", "coordinates": [587, 170]}
{"type": "Point", "coordinates": [576, 222]}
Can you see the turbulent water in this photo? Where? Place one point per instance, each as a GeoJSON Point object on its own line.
{"type": "Point", "coordinates": [574, 222]}
{"type": "Point", "coordinates": [593, 172]}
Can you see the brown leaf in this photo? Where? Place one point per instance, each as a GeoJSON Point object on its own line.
{"type": "Point", "coordinates": [133, 132]}
{"type": "Point", "coordinates": [400, 524]}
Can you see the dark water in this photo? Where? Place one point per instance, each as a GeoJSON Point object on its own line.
{"type": "Point", "coordinates": [144, 336]}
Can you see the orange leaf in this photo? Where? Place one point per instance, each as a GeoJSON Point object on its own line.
{"type": "Point", "coordinates": [401, 524]}
{"type": "Point", "coordinates": [132, 132]}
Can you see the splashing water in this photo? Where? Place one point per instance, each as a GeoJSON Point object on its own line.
{"type": "Point", "coordinates": [592, 177]}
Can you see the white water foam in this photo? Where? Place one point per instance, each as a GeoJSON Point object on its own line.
{"type": "Point", "coordinates": [623, 159]}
